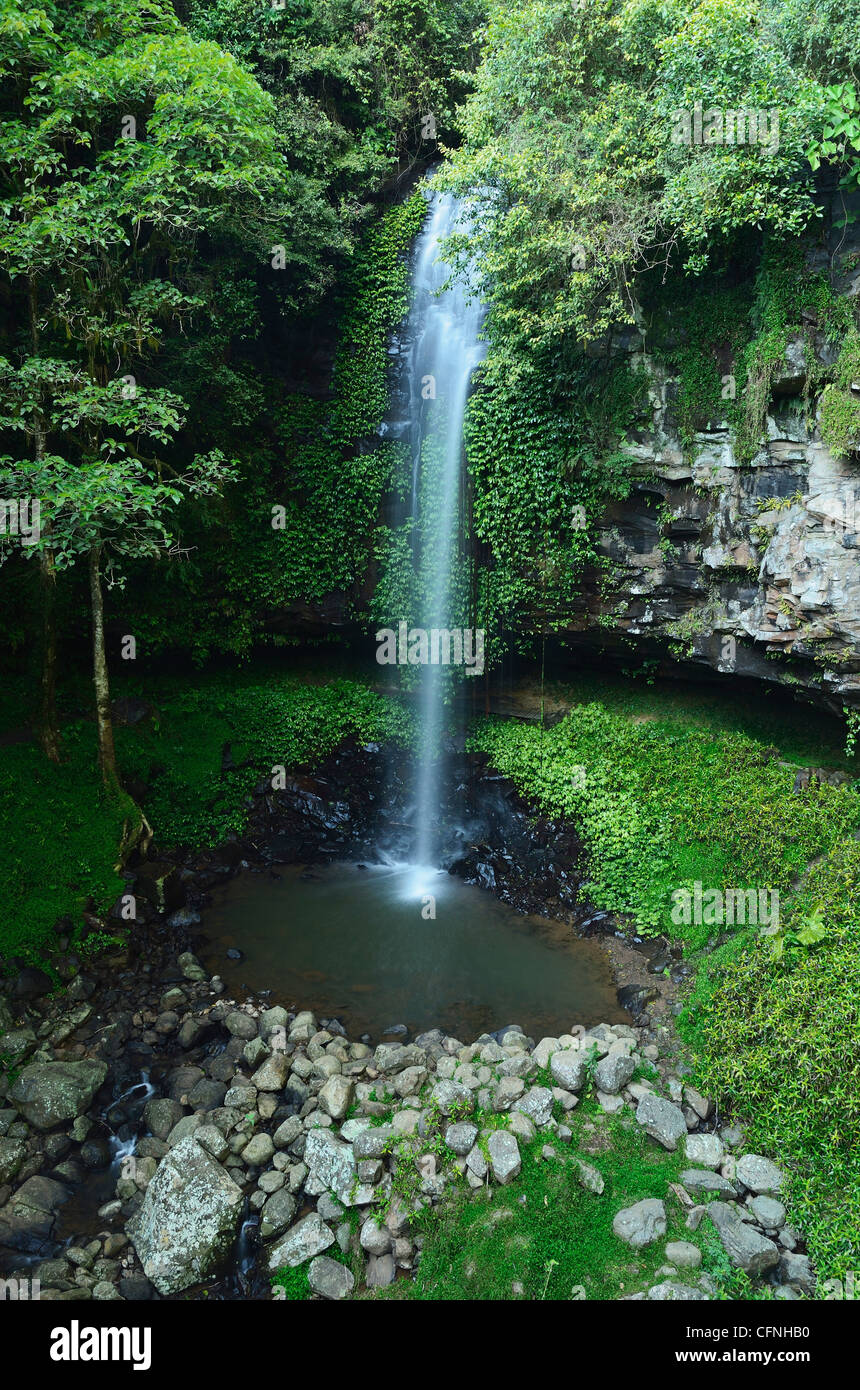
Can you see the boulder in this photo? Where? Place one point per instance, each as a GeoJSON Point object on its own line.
{"type": "Point", "coordinates": [671, 1292]}
{"type": "Point", "coordinates": [588, 1176]}
{"type": "Point", "coordinates": [309, 1237]}
{"type": "Point", "coordinates": [642, 1223]}
{"type": "Point", "coordinates": [27, 1220]}
{"type": "Point", "coordinates": [335, 1098]}
{"type": "Point", "coordinates": [272, 1074]}
{"type": "Point", "coordinates": [746, 1247]}
{"type": "Point", "coordinates": [705, 1149]}
{"type": "Point", "coordinates": [333, 1164]}
{"type": "Point", "coordinates": [330, 1279]}
{"type": "Point", "coordinates": [461, 1137]}
{"type": "Point", "coordinates": [683, 1254]}
{"type": "Point", "coordinates": [50, 1093]}
{"type": "Point", "coordinates": [797, 1271]}
{"type": "Point", "coordinates": [759, 1174]}
{"type": "Point", "coordinates": [161, 1115]}
{"type": "Point", "coordinates": [662, 1120]}
{"type": "Point", "coordinates": [537, 1104]}
{"type": "Point", "coordinates": [504, 1154]}
{"type": "Point", "coordinates": [569, 1070]}
{"type": "Point", "coordinates": [277, 1214]}
{"type": "Point", "coordinates": [703, 1180]}
{"type": "Point", "coordinates": [189, 1219]}
{"type": "Point", "coordinates": [613, 1072]}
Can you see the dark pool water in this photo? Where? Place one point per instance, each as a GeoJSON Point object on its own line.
{"type": "Point", "coordinates": [352, 943]}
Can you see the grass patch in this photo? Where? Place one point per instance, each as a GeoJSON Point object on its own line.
{"type": "Point", "coordinates": [548, 1235]}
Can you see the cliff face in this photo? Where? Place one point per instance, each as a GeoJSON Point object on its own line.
{"type": "Point", "coordinates": [751, 568]}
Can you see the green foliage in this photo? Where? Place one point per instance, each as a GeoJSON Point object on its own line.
{"type": "Point", "coordinates": [840, 401]}
{"type": "Point", "coordinates": [191, 799]}
{"type": "Point", "coordinates": [839, 142]}
{"type": "Point", "coordinates": [777, 1039]}
{"type": "Point", "coordinates": [60, 832]}
{"type": "Point", "coordinates": [570, 130]}
{"type": "Point", "coordinates": [543, 447]}
{"type": "Point", "coordinates": [663, 806]}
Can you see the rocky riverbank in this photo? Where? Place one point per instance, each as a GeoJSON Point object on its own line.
{"type": "Point", "coordinates": [269, 1141]}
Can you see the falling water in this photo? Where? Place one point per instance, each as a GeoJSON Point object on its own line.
{"type": "Point", "coordinates": [444, 329]}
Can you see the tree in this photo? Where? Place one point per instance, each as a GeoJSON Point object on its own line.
{"type": "Point", "coordinates": [125, 141]}
{"type": "Point", "coordinates": [102, 501]}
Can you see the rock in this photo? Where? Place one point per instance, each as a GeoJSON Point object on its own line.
{"type": "Point", "coordinates": [374, 1143]}
{"type": "Point", "coordinates": [504, 1154]}
{"type": "Point", "coordinates": [49, 1093]}
{"type": "Point", "coordinates": [452, 1098]}
{"type": "Point", "coordinates": [335, 1098]}
{"type": "Point", "coordinates": [95, 1153]}
{"type": "Point", "coordinates": [461, 1137]}
{"type": "Point", "coordinates": [703, 1107]}
{"type": "Point", "coordinates": [12, 1154]}
{"type": "Point", "coordinates": [380, 1271]}
{"type": "Point", "coordinates": [522, 1126]}
{"type": "Point", "coordinates": [160, 1116]}
{"type": "Point", "coordinates": [759, 1174]}
{"type": "Point", "coordinates": [330, 1279]}
{"type": "Point", "coordinates": [662, 1120]}
{"type": "Point", "coordinates": [27, 1220]}
{"type": "Point", "coordinates": [744, 1245]}
{"type": "Point", "coordinates": [509, 1090]}
{"type": "Point", "coordinates": [189, 1219]}
{"type": "Point", "coordinates": [670, 1292]}
{"type": "Point", "coordinates": [642, 1223]}
{"type": "Point", "coordinates": [569, 1069]}
{"type": "Point", "coordinates": [272, 1074]}
{"type": "Point", "coordinates": [277, 1214]}
{"type": "Point", "coordinates": [797, 1271]}
{"type": "Point", "coordinates": [703, 1180]}
{"type": "Point", "coordinates": [683, 1254]}
{"type": "Point", "coordinates": [588, 1177]}
{"type": "Point", "coordinates": [207, 1095]}
{"type": "Point", "coordinates": [288, 1132]}
{"type": "Point", "coordinates": [410, 1081]}
{"type": "Point", "coordinates": [537, 1105]}
{"type": "Point", "coordinates": [259, 1151]}
{"type": "Point", "coordinates": [31, 983]}
{"type": "Point", "coordinates": [613, 1072]}
{"type": "Point", "coordinates": [375, 1239]}
{"type": "Point", "coordinates": [768, 1212]}
{"type": "Point", "coordinates": [309, 1237]}
{"type": "Point", "coordinates": [705, 1149]}
{"type": "Point", "coordinates": [333, 1164]}
{"type": "Point", "coordinates": [212, 1140]}
{"type": "Point", "coordinates": [476, 1163]}
{"type": "Point", "coordinates": [241, 1025]}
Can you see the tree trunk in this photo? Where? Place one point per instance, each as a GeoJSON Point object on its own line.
{"type": "Point", "coordinates": [49, 725]}
{"type": "Point", "coordinates": [107, 753]}
{"type": "Point", "coordinates": [49, 729]}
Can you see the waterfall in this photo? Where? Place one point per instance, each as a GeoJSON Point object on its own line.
{"type": "Point", "coordinates": [444, 332]}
